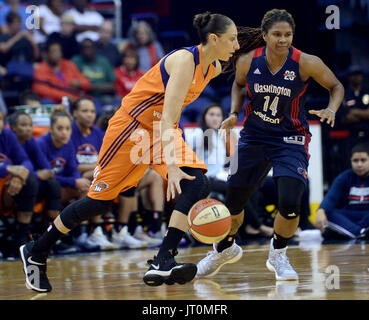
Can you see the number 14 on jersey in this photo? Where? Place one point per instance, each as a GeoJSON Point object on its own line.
{"type": "Point", "coordinates": [273, 106]}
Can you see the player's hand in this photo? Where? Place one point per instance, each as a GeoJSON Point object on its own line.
{"type": "Point", "coordinates": [321, 220]}
{"type": "Point", "coordinates": [18, 171]}
{"type": "Point", "coordinates": [175, 175]}
{"type": "Point", "coordinates": [323, 114]}
{"type": "Point", "coordinates": [227, 125]}
{"type": "Point", "coordinates": [88, 175]}
{"type": "Point", "coordinates": [45, 174]}
{"type": "Point", "coordinates": [15, 185]}
{"type": "Point", "coordinates": [83, 184]}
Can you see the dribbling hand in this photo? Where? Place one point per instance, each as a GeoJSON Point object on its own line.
{"type": "Point", "coordinates": [175, 175]}
{"type": "Point", "coordinates": [323, 114]}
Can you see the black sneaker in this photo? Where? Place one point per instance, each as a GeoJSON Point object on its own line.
{"type": "Point", "coordinates": [34, 269]}
{"type": "Point", "coordinates": [167, 270]}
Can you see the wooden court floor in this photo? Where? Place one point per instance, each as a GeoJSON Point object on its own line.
{"type": "Point", "coordinates": [329, 271]}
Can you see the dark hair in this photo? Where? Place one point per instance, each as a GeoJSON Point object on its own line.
{"type": "Point", "coordinates": [13, 118]}
{"type": "Point", "coordinates": [12, 16]}
{"type": "Point", "coordinates": [28, 95]}
{"type": "Point", "coordinates": [251, 38]}
{"type": "Point", "coordinates": [207, 22]}
{"type": "Point", "coordinates": [132, 52]}
{"type": "Point", "coordinates": [204, 126]}
{"type": "Point", "coordinates": [50, 43]}
{"type": "Point", "coordinates": [59, 111]}
{"type": "Point", "coordinates": [361, 147]}
{"type": "Point", "coordinates": [87, 40]}
{"type": "Point", "coordinates": [75, 104]}
{"type": "Point", "coordinates": [103, 121]}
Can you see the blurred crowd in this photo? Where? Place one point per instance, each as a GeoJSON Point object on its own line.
{"type": "Point", "coordinates": [73, 63]}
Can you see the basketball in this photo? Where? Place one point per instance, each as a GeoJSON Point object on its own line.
{"type": "Point", "coordinates": [209, 220]}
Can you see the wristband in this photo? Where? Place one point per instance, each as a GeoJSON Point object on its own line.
{"type": "Point", "coordinates": [329, 109]}
{"type": "Point", "coordinates": [234, 112]}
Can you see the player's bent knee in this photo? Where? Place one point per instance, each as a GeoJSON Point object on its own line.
{"type": "Point", "coordinates": [237, 198]}
{"type": "Point", "coordinates": [192, 190]}
{"type": "Point", "coordinates": [82, 210]}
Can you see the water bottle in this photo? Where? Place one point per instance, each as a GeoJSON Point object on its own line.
{"type": "Point", "coordinates": [65, 103]}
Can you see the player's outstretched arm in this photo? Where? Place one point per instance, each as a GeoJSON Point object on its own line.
{"type": "Point", "coordinates": [313, 66]}
{"type": "Point", "coordinates": [180, 67]}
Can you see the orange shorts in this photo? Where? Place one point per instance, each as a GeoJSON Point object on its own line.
{"type": "Point", "coordinates": [128, 149]}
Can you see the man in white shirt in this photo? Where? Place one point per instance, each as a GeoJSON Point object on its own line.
{"type": "Point", "coordinates": [87, 22]}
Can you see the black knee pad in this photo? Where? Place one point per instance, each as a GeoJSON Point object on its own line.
{"type": "Point", "coordinates": [290, 191]}
{"type": "Point", "coordinates": [82, 210]}
{"type": "Point", "coordinates": [26, 198]}
{"type": "Point", "coordinates": [237, 198]}
{"type": "Point", "coordinates": [192, 190]}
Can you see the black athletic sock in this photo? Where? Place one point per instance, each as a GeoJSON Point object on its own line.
{"type": "Point", "coordinates": [44, 244]}
{"type": "Point", "coordinates": [225, 243]}
{"type": "Point", "coordinates": [22, 233]}
{"type": "Point", "coordinates": [156, 222]}
{"type": "Point", "coordinates": [171, 241]}
{"type": "Point", "coordinates": [133, 221]}
{"type": "Point", "coordinates": [119, 226]}
{"type": "Point", "coordinates": [279, 242]}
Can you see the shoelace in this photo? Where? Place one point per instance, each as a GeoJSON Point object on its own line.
{"type": "Point", "coordinates": [283, 260]}
{"type": "Point", "coordinates": [173, 253]}
{"type": "Point", "coordinates": [212, 255]}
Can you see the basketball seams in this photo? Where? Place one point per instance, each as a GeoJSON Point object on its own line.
{"type": "Point", "coordinates": [215, 218]}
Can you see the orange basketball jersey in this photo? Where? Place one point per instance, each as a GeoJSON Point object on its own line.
{"type": "Point", "coordinates": [145, 102]}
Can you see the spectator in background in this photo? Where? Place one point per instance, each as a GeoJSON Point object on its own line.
{"type": "Point", "coordinates": [151, 200]}
{"type": "Point", "coordinates": [29, 98]}
{"type": "Point", "coordinates": [66, 37]}
{"type": "Point", "coordinates": [17, 45]}
{"type": "Point", "coordinates": [345, 208]}
{"type": "Point", "coordinates": [50, 16]}
{"type": "Point", "coordinates": [87, 140]}
{"type": "Point", "coordinates": [104, 45]}
{"type": "Point", "coordinates": [128, 73]}
{"type": "Point", "coordinates": [355, 111]}
{"type": "Point", "coordinates": [103, 120]}
{"type": "Point", "coordinates": [143, 39]}
{"type": "Point", "coordinates": [86, 137]}
{"type": "Point", "coordinates": [213, 149]}
{"type": "Point", "coordinates": [98, 70]}
{"type": "Point", "coordinates": [57, 77]}
{"type": "Point", "coordinates": [14, 6]}
{"type": "Point", "coordinates": [87, 22]}
{"type": "Point", "coordinates": [49, 188]}
{"type": "Point", "coordinates": [18, 186]}
{"type": "Point", "coordinates": [59, 151]}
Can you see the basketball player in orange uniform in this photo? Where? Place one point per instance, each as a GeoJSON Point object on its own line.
{"type": "Point", "coordinates": [146, 124]}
